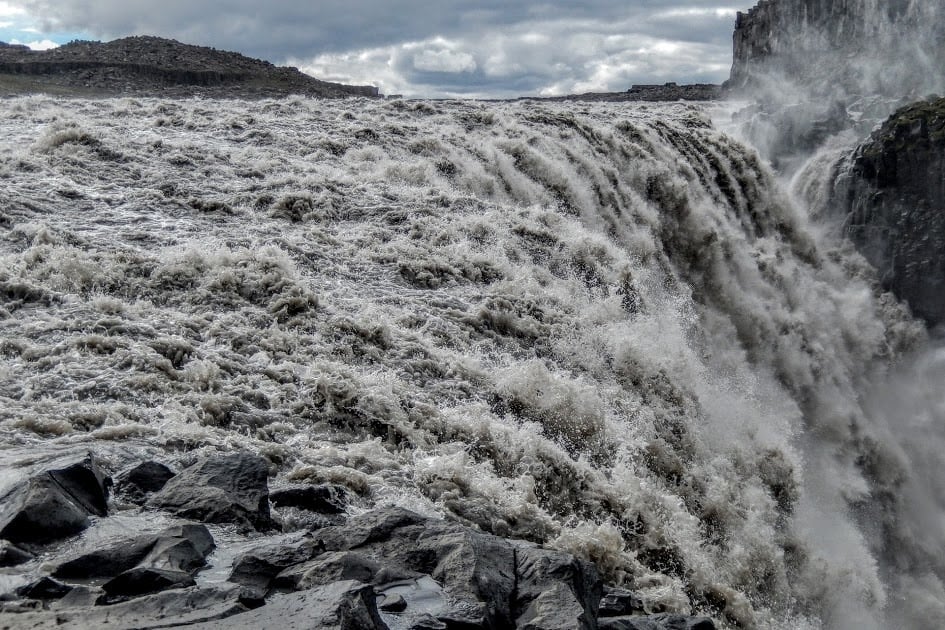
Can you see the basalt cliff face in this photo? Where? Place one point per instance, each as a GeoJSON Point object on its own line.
{"type": "Point", "coordinates": [155, 67]}
{"type": "Point", "coordinates": [840, 47]}
{"type": "Point", "coordinates": [892, 189]}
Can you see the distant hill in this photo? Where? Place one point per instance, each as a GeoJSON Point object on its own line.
{"type": "Point", "coordinates": [153, 66]}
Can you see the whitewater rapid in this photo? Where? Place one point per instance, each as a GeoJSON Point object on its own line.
{"type": "Point", "coordinates": [603, 327]}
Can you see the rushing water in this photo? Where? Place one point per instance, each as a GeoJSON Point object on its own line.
{"type": "Point", "coordinates": [603, 327]}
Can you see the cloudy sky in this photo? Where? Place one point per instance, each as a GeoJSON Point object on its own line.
{"type": "Point", "coordinates": [484, 48]}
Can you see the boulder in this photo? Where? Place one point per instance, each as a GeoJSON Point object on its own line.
{"type": "Point", "coordinates": [324, 499]}
{"type": "Point", "coordinates": [138, 483]}
{"type": "Point", "coordinates": [167, 609]}
{"type": "Point", "coordinates": [183, 547]}
{"type": "Point", "coordinates": [143, 581]}
{"type": "Point", "coordinates": [347, 605]}
{"type": "Point", "coordinates": [481, 580]}
{"type": "Point", "coordinates": [224, 489]}
{"type": "Point", "coordinates": [256, 568]}
{"type": "Point", "coordinates": [657, 622]}
{"type": "Point", "coordinates": [54, 503]}
{"type": "Point", "coordinates": [330, 567]}
{"type": "Point", "coordinates": [618, 602]}
{"type": "Point", "coordinates": [12, 556]}
{"type": "Point", "coordinates": [44, 588]}
{"type": "Point", "coordinates": [556, 591]}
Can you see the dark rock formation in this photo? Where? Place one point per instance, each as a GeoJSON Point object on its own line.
{"type": "Point", "coordinates": [11, 555]}
{"type": "Point", "coordinates": [388, 567]}
{"type": "Point", "coordinates": [618, 602]}
{"type": "Point", "coordinates": [55, 503]}
{"type": "Point", "coordinates": [324, 499]}
{"type": "Point", "coordinates": [181, 547]}
{"type": "Point", "coordinates": [139, 482]}
{"type": "Point", "coordinates": [154, 66]}
{"type": "Point", "coordinates": [839, 48]}
{"type": "Point", "coordinates": [225, 489]}
{"type": "Point", "coordinates": [44, 588]}
{"type": "Point", "coordinates": [143, 581]}
{"type": "Point", "coordinates": [892, 192]}
{"type": "Point", "coordinates": [657, 622]}
{"type": "Point", "coordinates": [167, 609]}
{"type": "Point", "coordinates": [818, 67]}
{"type": "Point", "coordinates": [347, 605]}
{"type": "Point", "coordinates": [256, 569]}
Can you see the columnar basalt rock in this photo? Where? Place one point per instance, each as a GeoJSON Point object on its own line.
{"type": "Point", "coordinates": [892, 191]}
{"type": "Point", "coordinates": [812, 42]}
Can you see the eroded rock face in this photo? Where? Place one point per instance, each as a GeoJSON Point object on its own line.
{"type": "Point", "coordinates": [811, 43]}
{"type": "Point", "coordinates": [892, 193]}
{"type": "Point", "coordinates": [816, 68]}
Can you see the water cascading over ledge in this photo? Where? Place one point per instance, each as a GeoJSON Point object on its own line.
{"type": "Point", "coordinates": [600, 328]}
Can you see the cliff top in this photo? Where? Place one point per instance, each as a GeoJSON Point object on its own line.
{"type": "Point", "coordinates": [145, 65]}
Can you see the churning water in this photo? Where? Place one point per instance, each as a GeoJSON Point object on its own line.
{"type": "Point", "coordinates": [603, 327]}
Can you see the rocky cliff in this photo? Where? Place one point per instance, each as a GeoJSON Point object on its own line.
{"type": "Point", "coordinates": [849, 47]}
{"type": "Point", "coordinates": [892, 189]}
{"type": "Point", "coordinates": [155, 66]}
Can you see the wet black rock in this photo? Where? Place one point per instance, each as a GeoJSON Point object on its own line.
{"type": "Point", "coordinates": [173, 608]}
{"type": "Point", "coordinates": [182, 547]}
{"type": "Point", "coordinates": [11, 555]}
{"type": "Point", "coordinates": [893, 196]}
{"type": "Point", "coordinates": [54, 503]}
{"type": "Point", "coordinates": [393, 604]}
{"type": "Point", "coordinates": [324, 499]}
{"type": "Point", "coordinates": [486, 581]}
{"type": "Point", "coordinates": [387, 565]}
{"type": "Point", "coordinates": [256, 568]}
{"type": "Point", "coordinates": [618, 602]}
{"type": "Point", "coordinates": [555, 590]}
{"type": "Point", "coordinates": [138, 483]}
{"type": "Point", "coordinates": [223, 489]}
{"type": "Point", "coordinates": [143, 581]}
{"type": "Point", "coordinates": [347, 605]}
{"type": "Point", "coordinates": [44, 588]}
{"type": "Point", "coordinates": [330, 567]}
{"type": "Point", "coordinates": [657, 622]}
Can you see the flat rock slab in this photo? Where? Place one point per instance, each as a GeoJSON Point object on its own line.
{"type": "Point", "coordinates": [347, 605]}
{"type": "Point", "coordinates": [163, 610]}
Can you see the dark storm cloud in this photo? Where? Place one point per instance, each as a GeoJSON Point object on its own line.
{"type": "Point", "coordinates": [445, 47]}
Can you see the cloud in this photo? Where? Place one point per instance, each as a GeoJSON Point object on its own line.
{"type": "Point", "coordinates": [451, 47]}
{"type": "Point", "coordinates": [36, 44]}
{"type": "Point", "coordinates": [443, 60]}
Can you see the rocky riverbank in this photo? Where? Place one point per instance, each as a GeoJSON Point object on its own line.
{"type": "Point", "coordinates": [152, 66]}
{"type": "Point", "coordinates": [212, 546]}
